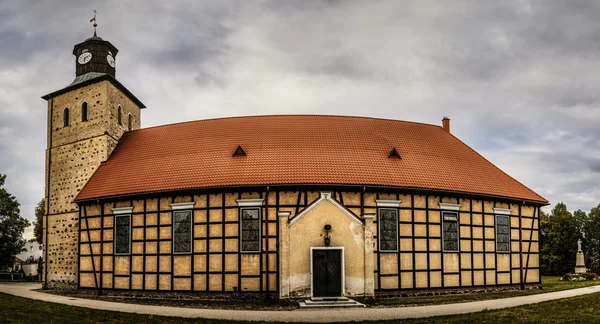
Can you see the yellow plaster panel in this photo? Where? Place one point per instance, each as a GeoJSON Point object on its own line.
{"type": "Point", "coordinates": [405, 200]}
{"type": "Point", "coordinates": [420, 244]}
{"type": "Point", "coordinates": [478, 261]}
{"type": "Point", "coordinates": [406, 261]}
{"type": "Point", "coordinates": [151, 262]}
{"type": "Point", "coordinates": [503, 262]}
{"type": "Point", "coordinates": [477, 246]}
{"type": "Point", "coordinates": [165, 263]}
{"type": "Point", "coordinates": [389, 282]}
{"type": "Point", "coordinates": [200, 263]}
{"type": "Point", "coordinates": [477, 232]}
{"type": "Point", "coordinates": [420, 230]}
{"type": "Point", "coordinates": [107, 280]}
{"type": "Point", "coordinates": [490, 260]}
{"type": "Point", "coordinates": [121, 283]}
{"type": "Point", "coordinates": [215, 281]}
{"type": "Point", "coordinates": [477, 219]}
{"type": "Point", "coordinates": [389, 263]}
{"type": "Point", "coordinates": [434, 216]}
{"type": "Point", "coordinates": [164, 282]}
{"type": "Point", "coordinates": [422, 280]}
{"type": "Point", "coordinates": [121, 265]}
{"type": "Point", "coordinates": [151, 248]}
{"type": "Point", "coordinates": [216, 245]}
{"type": "Point", "coordinates": [151, 233]}
{"type": "Point", "coordinates": [137, 220]}
{"type": "Point", "coordinates": [108, 221]}
{"type": "Point", "coordinates": [199, 245]}
{"type": "Point", "coordinates": [478, 278]}
{"type": "Point", "coordinates": [231, 245]}
{"type": "Point", "coordinates": [200, 231]}
{"type": "Point", "coordinates": [137, 233]}
{"type": "Point", "coordinates": [250, 284]}
{"type": "Point", "coordinates": [165, 232]}
{"type": "Point", "coordinates": [466, 277]}
{"type": "Point", "coordinates": [515, 276]}
{"type": "Point", "coordinates": [436, 279]}
{"type": "Point", "coordinates": [465, 232]}
{"type": "Point", "coordinates": [465, 218]}
{"type": "Point", "coordinates": [434, 230]}
{"type": "Point", "coordinates": [182, 284]}
{"type": "Point", "coordinates": [199, 216]}
{"type": "Point", "coordinates": [489, 232]}
{"type": "Point", "coordinates": [137, 263]}
{"type": "Point", "coordinates": [108, 235]}
{"type": "Point", "coordinates": [215, 230]}
{"type": "Point", "coordinates": [166, 218]}
{"type": "Point", "coordinates": [405, 230]}
{"type": "Point", "coordinates": [215, 262]}
{"type": "Point", "coordinates": [86, 280]}
{"type": "Point", "coordinates": [165, 247]}
{"type": "Point", "coordinates": [503, 278]}
{"type": "Point", "coordinates": [420, 216]}
{"type": "Point", "coordinates": [215, 215]}
{"type": "Point", "coordinates": [150, 281]}
{"type": "Point", "coordinates": [435, 261]}
{"type": "Point", "coordinates": [450, 262]}
{"type": "Point", "coordinates": [490, 277]}
{"type": "Point", "coordinates": [451, 281]}
{"type": "Point", "coordinates": [231, 214]}
{"type": "Point", "coordinates": [421, 261]}
{"type": "Point", "coordinates": [107, 263]}
{"type": "Point", "coordinates": [406, 280]}
{"type": "Point", "coordinates": [405, 215]}
{"type": "Point", "coordinates": [406, 244]}
{"type": "Point", "coordinates": [216, 200]}
{"type": "Point", "coordinates": [465, 245]}
{"type": "Point", "coordinates": [435, 245]}
{"type": "Point", "coordinates": [419, 201]}
{"type": "Point", "coordinates": [231, 262]}
{"type": "Point", "coordinates": [200, 201]}
{"type": "Point", "coordinates": [489, 220]}
{"type": "Point", "coordinates": [231, 280]}
{"type": "Point", "coordinates": [250, 264]}
{"type": "Point", "coordinates": [200, 282]}
{"type": "Point", "coordinates": [136, 281]}
{"type": "Point", "coordinates": [476, 206]}
{"type": "Point", "coordinates": [182, 265]}
{"type": "Point", "coordinates": [490, 246]}
{"type": "Point", "coordinates": [465, 261]}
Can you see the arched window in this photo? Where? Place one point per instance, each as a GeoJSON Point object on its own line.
{"type": "Point", "coordinates": [84, 112]}
{"type": "Point", "coordinates": [66, 117]}
{"type": "Point", "coordinates": [129, 122]}
{"type": "Point", "coordinates": [120, 116]}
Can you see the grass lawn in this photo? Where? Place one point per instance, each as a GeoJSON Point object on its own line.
{"type": "Point", "coordinates": [582, 309]}
{"type": "Point", "coordinates": [549, 284]}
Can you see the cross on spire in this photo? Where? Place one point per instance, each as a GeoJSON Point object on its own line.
{"type": "Point", "coordinates": [94, 21]}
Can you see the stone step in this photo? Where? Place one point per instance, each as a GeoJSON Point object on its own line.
{"type": "Point", "coordinates": [329, 303]}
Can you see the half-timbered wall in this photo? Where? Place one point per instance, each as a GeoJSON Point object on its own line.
{"type": "Point", "coordinates": [216, 265]}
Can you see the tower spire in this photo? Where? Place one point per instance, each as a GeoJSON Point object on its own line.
{"type": "Point", "coordinates": [94, 21]}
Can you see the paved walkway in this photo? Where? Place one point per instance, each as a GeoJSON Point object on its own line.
{"type": "Point", "coordinates": [314, 316]}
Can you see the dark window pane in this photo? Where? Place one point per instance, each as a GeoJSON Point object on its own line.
{"type": "Point", "coordinates": [122, 233]}
{"type": "Point", "coordinates": [182, 228]}
{"type": "Point", "coordinates": [388, 229]}
{"type": "Point", "coordinates": [250, 225]}
{"type": "Point", "coordinates": [450, 231]}
{"type": "Point", "coordinates": [502, 233]}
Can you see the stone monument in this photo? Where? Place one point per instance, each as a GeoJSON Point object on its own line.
{"type": "Point", "coordinates": [579, 260]}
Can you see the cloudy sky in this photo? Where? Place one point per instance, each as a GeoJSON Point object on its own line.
{"type": "Point", "coordinates": [519, 79]}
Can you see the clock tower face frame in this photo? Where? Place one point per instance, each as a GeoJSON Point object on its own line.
{"type": "Point", "coordinates": [95, 55]}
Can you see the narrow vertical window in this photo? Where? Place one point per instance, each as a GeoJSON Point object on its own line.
{"type": "Point", "coordinates": [502, 233]}
{"type": "Point", "coordinates": [250, 229]}
{"type": "Point", "coordinates": [450, 231]}
{"type": "Point", "coordinates": [84, 116]}
{"type": "Point", "coordinates": [120, 116]}
{"type": "Point", "coordinates": [66, 117]}
{"type": "Point", "coordinates": [122, 234]}
{"type": "Point", "coordinates": [388, 229]}
{"type": "Point", "coordinates": [182, 231]}
{"type": "Point", "coordinates": [129, 122]}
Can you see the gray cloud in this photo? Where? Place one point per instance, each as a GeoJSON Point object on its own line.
{"type": "Point", "coordinates": [516, 77]}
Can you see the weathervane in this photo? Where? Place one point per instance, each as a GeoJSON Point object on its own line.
{"type": "Point", "coordinates": [94, 21]}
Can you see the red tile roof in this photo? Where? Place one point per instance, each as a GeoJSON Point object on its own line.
{"type": "Point", "coordinates": [297, 150]}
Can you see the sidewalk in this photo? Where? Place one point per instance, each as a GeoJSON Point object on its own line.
{"type": "Point", "coordinates": [313, 316]}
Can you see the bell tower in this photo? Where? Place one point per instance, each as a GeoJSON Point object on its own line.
{"type": "Point", "coordinates": [86, 119]}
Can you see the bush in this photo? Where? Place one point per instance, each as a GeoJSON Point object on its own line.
{"type": "Point", "coordinates": [587, 276]}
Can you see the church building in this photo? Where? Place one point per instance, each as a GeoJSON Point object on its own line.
{"type": "Point", "coordinates": [289, 206]}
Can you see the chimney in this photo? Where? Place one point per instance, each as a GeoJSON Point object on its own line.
{"type": "Point", "coordinates": [446, 124]}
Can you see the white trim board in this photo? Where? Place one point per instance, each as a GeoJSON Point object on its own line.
{"type": "Point", "coordinates": [183, 205]}
{"type": "Point", "coordinates": [122, 210]}
{"type": "Point", "coordinates": [448, 206]}
{"type": "Point", "coordinates": [388, 203]}
{"type": "Point", "coordinates": [502, 211]}
{"type": "Point", "coordinates": [250, 202]}
{"type": "Point", "coordinates": [326, 196]}
{"type": "Point", "coordinates": [343, 268]}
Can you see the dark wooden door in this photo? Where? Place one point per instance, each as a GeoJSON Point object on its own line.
{"type": "Point", "coordinates": [327, 273]}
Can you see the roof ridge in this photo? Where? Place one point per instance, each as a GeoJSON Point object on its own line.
{"type": "Point", "coordinates": [285, 115]}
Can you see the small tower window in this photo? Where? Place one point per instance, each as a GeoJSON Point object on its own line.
{"type": "Point", "coordinates": [129, 122]}
{"type": "Point", "coordinates": [66, 117]}
{"type": "Point", "coordinates": [120, 116]}
{"type": "Point", "coordinates": [84, 116]}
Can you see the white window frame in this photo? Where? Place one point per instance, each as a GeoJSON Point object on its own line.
{"type": "Point", "coordinates": [186, 206]}
{"type": "Point", "coordinates": [388, 204]}
{"type": "Point", "coordinates": [250, 204]}
{"type": "Point", "coordinates": [122, 212]}
{"type": "Point", "coordinates": [454, 209]}
{"type": "Point", "coordinates": [502, 212]}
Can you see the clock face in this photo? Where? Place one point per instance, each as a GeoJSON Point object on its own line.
{"type": "Point", "coordinates": [84, 58]}
{"type": "Point", "coordinates": [111, 60]}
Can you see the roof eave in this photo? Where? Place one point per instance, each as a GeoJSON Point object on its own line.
{"type": "Point", "coordinates": [104, 77]}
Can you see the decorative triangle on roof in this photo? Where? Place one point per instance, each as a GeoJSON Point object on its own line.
{"type": "Point", "coordinates": [394, 154]}
{"type": "Point", "coordinates": [239, 151]}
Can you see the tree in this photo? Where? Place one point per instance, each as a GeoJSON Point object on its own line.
{"type": "Point", "coordinates": [559, 231]}
{"type": "Point", "coordinates": [38, 227]}
{"type": "Point", "coordinates": [591, 243]}
{"type": "Point", "coordinates": [12, 226]}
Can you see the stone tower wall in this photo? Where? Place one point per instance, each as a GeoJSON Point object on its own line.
{"type": "Point", "coordinates": [75, 152]}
